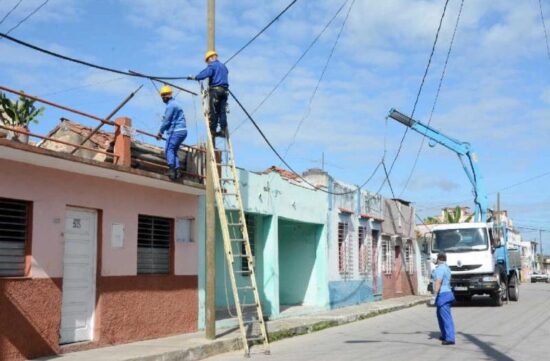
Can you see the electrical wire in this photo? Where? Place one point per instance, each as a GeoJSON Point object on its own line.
{"type": "Point", "coordinates": [85, 63]}
{"type": "Point", "coordinates": [308, 112]}
{"type": "Point", "coordinates": [419, 90]}
{"type": "Point", "coordinates": [306, 51]}
{"type": "Point", "coordinates": [288, 165]}
{"type": "Point", "coordinates": [28, 16]}
{"type": "Point", "coordinates": [10, 11]}
{"type": "Point", "coordinates": [544, 27]}
{"type": "Point", "coordinates": [436, 98]}
{"type": "Point", "coordinates": [261, 31]}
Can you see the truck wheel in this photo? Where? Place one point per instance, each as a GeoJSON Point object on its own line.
{"type": "Point", "coordinates": [513, 289]}
{"type": "Point", "coordinates": [498, 296]}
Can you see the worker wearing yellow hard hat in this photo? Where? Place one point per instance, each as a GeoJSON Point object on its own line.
{"type": "Point", "coordinates": [217, 74]}
{"type": "Point", "coordinates": [173, 123]}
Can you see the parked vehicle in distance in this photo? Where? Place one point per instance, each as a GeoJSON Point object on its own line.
{"type": "Point", "coordinates": [539, 277]}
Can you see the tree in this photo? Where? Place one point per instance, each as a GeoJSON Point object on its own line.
{"type": "Point", "coordinates": [455, 216]}
{"type": "Point", "coordinates": [432, 220]}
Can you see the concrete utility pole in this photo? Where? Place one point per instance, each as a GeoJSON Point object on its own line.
{"type": "Point", "coordinates": [210, 213]}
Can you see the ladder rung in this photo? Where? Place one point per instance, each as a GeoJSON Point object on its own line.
{"type": "Point", "coordinates": [223, 164]}
{"type": "Point", "coordinates": [250, 322]}
{"type": "Point", "coordinates": [243, 272]}
{"type": "Point", "coordinates": [234, 224]}
{"type": "Point", "coordinates": [249, 304]}
{"type": "Point", "coordinates": [229, 193]}
{"type": "Point", "coordinates": [238, 240]}
{"type": "Point", "coordinates": [245, 288]}
{"type": "Point", "coordinates": [258, 338]}
{"type": "Point", "coordinates": [227, 179]}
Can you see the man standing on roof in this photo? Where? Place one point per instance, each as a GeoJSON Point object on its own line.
{"type": "Point", "coordinates": [173, 123]}
{"type": "Point", "coordinates": [217, 73]}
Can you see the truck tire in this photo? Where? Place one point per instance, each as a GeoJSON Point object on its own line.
{"type": "Point", "coordinates": [513, 289]}
{"type": "Point", "coordinates": [498, 296]}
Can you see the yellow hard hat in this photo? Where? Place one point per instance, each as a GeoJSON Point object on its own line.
{"type": "Point", "coordinates": [165, 90]}
{"type": "Point", "coordinates": [209, 53]}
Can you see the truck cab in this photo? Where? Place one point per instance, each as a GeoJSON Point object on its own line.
{"type": "Point", "coordinates": [478, 260]}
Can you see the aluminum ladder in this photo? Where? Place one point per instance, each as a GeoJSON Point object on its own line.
{"type": "Point", "coordinates": [221, 163]}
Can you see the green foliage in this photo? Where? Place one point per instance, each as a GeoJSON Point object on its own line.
{"type": "Point", "coordinates": [455, 215]}
{"type": "Point", "coordinates": [19, 113]}
{"type": "Point", "coordinates": [431, 220]}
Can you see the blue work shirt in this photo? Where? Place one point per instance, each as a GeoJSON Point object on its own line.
{"type": "Point", "coordinates": [442, 272]}
{"type": "Point", "coordinates": [174, 119]}
{"type": "Point", "coordinates": [217, 72]}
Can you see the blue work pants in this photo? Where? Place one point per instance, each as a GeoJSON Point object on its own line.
{"type": "Point", "coordinates": [172, 146]}
{"type": "Point", "coordinates": [444, 318]}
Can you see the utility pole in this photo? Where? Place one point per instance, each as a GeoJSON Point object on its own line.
{"type": "Point", "coordinates": [210, 213]}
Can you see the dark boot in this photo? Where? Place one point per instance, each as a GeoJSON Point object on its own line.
{"type": "Point", "coordinates": [222, 133]}
{"type": "Point", "coordinates": [179, 173]}
{"type": "Point", "coordinates": [171, 173]}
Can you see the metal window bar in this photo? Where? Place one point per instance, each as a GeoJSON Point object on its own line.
{"type": "Point", "coordinates": [154, 235]}
{"type": "Point", "coordinates": [13, 237]}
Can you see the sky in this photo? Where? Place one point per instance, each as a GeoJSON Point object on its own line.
{"type": "Point", "coordinates": [495, 93]}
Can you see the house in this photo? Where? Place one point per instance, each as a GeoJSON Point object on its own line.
{"type": "Point", "coordinates": [94, 250]}
{"type": "Point", "coordinates": [528, 259]}
{"type": "Point", "coordinates": [354, 227]}
{"type": "Point", "coordinates": [399, 250]}
{"type": "Point", "coordinates": [286, 222]}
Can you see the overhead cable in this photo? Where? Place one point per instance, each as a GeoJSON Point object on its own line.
{"type": "Point", "coordinates": [544, 27]}
{"type": "Point", "coordinates": [308, 112]}
{"type": "Point", "coordinates": [83, 62]}
{"type": "Point", "coordinates": [28, 16]}
{"type": "Point", "coordinates": [261, 31]}
{"type": "Point", "coordinates": [435, 100]}
{"type": "Point", "coordinates": [288, 165]}
{"type": "Point", "coordinates": [419, 90]}
{"type": "Point", "coordinates": [10, 11]}
{"type": "Point", "coordinates": [306, 51]}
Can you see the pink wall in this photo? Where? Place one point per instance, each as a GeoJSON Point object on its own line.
{"type": "Point", "coordinates": [52, 190]}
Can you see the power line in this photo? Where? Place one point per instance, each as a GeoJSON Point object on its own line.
{"type": "Point", "coordinates": [288, 165]}
{"type": "Point", "coordinates": [11, 11]}
{"type": "Point", "coordinates": [85, 63]}
{"type": "Point", "coordinates": [544, 27]}
{"type": "Point", "coordinates": [308, 112]}
{"type": "Point", "coordinates": [436, 98]}
{"type": "Point", "coordinates": [306, 51]}
{"type": "Point", "coordinates": [261, 31]}
{"type": "Point", "coordinates": [28, 16]}
{"type": "Point", "coordinates": [419, 90]}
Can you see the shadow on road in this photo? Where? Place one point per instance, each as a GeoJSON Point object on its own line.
{"type": "Point", "coordinates": [489, 350]}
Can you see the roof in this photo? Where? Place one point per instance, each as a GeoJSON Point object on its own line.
{"type": "Point", "coordinates": [282, 172]}
{"type": "Point", "coordinates": [402, 201]}
{"type": "Point", "coordinates": [102, 139]}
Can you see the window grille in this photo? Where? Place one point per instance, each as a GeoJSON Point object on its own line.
{"type": "Point", "coordinates": [343, 229]}
{"type": "Point", "coordinates": [409, 257]}
{"type": "Point", "coordinates": [14, 235]}
{"type": "Point", "coordinates": [387, 256]}
{"type": "Point", "coordinates": [363, 249]}
{"type": "Point", "coordinates": [154, 242]}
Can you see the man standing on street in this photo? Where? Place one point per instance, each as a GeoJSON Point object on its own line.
{"type": "Point", "coordinates": [444, 298]}
{"type": "Point", "coordinates": [217, 73]}
{"type": "Point", "coordinates": [173, 123]}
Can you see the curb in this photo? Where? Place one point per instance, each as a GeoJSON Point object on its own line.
{"type": "Point", "coordinates": [234, 344]}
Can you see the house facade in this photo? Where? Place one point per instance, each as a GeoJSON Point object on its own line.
{"type": "Point", "coordinates": [93, 253]}
{"type": "Point", "coordinates": [399, 250]}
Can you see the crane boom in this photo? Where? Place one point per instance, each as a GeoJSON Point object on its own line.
{"type": "Point", "coordinates": [465, 154]}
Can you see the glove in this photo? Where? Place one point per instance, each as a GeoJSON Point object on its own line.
{"type": "Point", "coordinates": [191, 77]}
{"type": "Point", "coordinates": [159, 136]}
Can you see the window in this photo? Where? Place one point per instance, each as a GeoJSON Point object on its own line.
{"type": "Point", "coordinates": [154, 243]}
{"type": "Point", "coordinates": [363, 250]}
{"type": "Point", "coordinates": [409, 257]}
{"type": "Point", "coordinates": [343, 228]}
{"type": "Point", "coordinates": [14, 237]}
{"type": "Point", "coordinates": [387, 256]}
{"type": "Point", "coordinates": [251, 228]}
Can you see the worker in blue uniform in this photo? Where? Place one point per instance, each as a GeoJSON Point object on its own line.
{"type": "Point", "coordinates": [444, 298]}
{"type": "Point", "coordinates": [173, 123]}
{"type": "Point", "coordinates": [217, 74]}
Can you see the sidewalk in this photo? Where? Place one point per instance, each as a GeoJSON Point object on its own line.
{"type": "Point", "coordinates": [195, 346]}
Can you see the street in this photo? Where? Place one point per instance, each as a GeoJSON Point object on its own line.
{"type": "Point", "coordinates": [516, 331]}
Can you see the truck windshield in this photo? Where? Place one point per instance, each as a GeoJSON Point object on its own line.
{"type": "Point", "coordinates": [459, 240]}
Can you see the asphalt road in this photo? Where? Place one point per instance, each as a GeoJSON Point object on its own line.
{"type": "Point", "coordinates": [516, 331]}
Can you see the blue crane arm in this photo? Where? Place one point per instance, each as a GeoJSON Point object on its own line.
{"type": "Point", "coordinates": [462, 149]}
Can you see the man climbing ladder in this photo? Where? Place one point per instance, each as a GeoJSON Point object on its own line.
{"type": "Point", "coordinates": [217, 74]}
